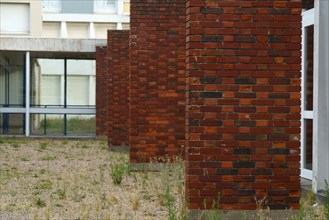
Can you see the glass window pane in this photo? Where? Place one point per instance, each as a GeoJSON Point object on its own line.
{"type": "Point", "coordinates": [3, 64]}
{"type": "Point", "coordinates": [52, 5]}
{"type": "Point", "coordinates": [308, 153]}
{"type": "Point", "coordinates": [307, 4]}
{"type": "Point", "coordinates": [54, 124]}
{"type": "Point", "coordinates": [105, 6]}
{"type": "Point", "coordinates": [12, 79]}
{"type": "Point", "coordinates": [309, 69]}
{"type": "Point", "coordinates": [12, 124]}
{"type": "Point", "coordinates": [47, 124]}
{"type": "Point", "coordinates": [81, 125]}
{"type": "Point", "coordinates": [80, 83]}
{"type": "Point", "coordinates": [38, 124]}
{"type": "Point", "coordinates": [47, 82]}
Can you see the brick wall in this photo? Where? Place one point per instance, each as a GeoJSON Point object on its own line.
{"type": "Point", "coordinates": [101, 91]}
{"type": "Point", "coordinates": [118, 95]}
{"type": "Point", "coordinates": [157, 78]}
{"type": "Point", "coordinates": [243, 69]}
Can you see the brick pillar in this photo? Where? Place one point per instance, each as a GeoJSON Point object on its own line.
{"type": "Point", "coordinates": [157, 79]}
{"type": "Point", "coordinates": [118, 73]}
{"type": "Point", "coordinates": [243, 69]}
{"type": "Point", "coordinates": [101, 91]}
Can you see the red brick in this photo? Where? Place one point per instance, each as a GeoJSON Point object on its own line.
{"type": "Point", "coordinates": [157, 77]}
{"type": "Point", "coordinates": [118, 87]}
{"type": "Point", "coordinates": [244, 71]}
{"type": "Point", "coordinates": [101, 92]}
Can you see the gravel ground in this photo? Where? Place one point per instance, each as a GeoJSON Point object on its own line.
{"type": "Point", "coordinates": [71, 179]}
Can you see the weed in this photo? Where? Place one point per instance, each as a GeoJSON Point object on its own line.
{"type": "Point", "coordinates": [262, 210]}
{"type": "Point", "coordinates": [25, 159]}
{"type": "Point", "coordinates": [15, 145]}
{"type": "Point", "coordinates": [170, 205]}
{"type": "Point", "coordinates": [135, 201]}
{"type": "Point", "coordinates": [61, 193]}
{"type": "Point", "coordinates": [216, 213]}
{"type": "Point", "coordinates": [77, 196]}
{"type": "Point", "coordinates": [1, 141]}
{"type": "Point", "coordinates": [85, 146]}
{"type": "Point", "coordinates": [36, 216]}
{"type": "Point", "coordinates": [326, 202]}
{"type": "Point", "coordinates": [44, 184]}
{"type": "Point", "coordinates": [101, 173]}
{"type": "Point", "coordinates": [48, 158]}
{"type": "Point", "coordinates": [117, 172]}
{"type": "Point", "coordinates": [43, 145]}
{"type": "Point", "coordinates": [310, 198]}
{"type": "Point", "coordinates": [40, 202]}
{"type": "Point", "coordinates": [301, 213]}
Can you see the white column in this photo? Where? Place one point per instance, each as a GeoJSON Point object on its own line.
{"type": "Point", "coordinates": [321, 96]}
{"type": "Point", "coordinates": [91, 30]}
{"type": "Point", "coordinates": [27, 94]}
{"type": "Point", "coordinates": [63, 29]}
{"type": "Point", "coordinates": [119, 26]}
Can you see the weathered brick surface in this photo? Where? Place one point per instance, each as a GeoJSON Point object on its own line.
{"type": "Point", "coordinates": [243, 103]}
{"type": "Point", "coordinates": [101, 92]}
{"type": "Point", "coordinates": [118, 83]}
{"type": "Point", "coordinates": [157, 79]}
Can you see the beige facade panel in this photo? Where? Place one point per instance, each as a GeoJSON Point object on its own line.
{"type": "Point", "coordinates": [125, 26]}
{"type": "Point", "coordinates": [126, 8]}
{"type": "Point", "coordinates": [51, 29]}
{"type": "Point", "coordinates": [101, 29]}
{"type": "Point", "coordinates": [77, 30]}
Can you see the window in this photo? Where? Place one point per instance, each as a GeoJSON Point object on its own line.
{"type": "Point", "coordinates": [105, 6]}
{"type": "Point", "coordinates": [14, 18]}
{"type": "Point", "coordinates": [11, 93]}
{"type": "Point", "coordinates": [52, 5]}
{"type": "Point", "coordinates": [58, 86]}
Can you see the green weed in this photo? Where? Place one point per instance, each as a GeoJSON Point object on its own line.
{"type": "Point", "coordinates": [117, 172]}
{"type": "Point", "coordinates": [43, 146]}
{"type": "Point", "coordinates": [48, 158]}
{"type": "Point", "coordinates": [44, 184]}
{"type": "Point", "coordinates": [40, 203]}
{"type": "Point", "coordinates": [15, 145]}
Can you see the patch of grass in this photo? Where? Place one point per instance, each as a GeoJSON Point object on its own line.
{"type": "Point", "coordinates": [44, 184]}
{"type": "Point", "coordinates": [6, 175]}
{"type": "Point", "coordinates": [25, 159]}
{"type": "Point", "coordinates": [40, 202]}
{"type": "Point", "coordinates": [15, 145]}
{"type": "Point", "coordinates": [48, 158]}
{"type": "Point", "coordinates": [43, 145]}
{"type": "Point", "coordinates": [61, 193]}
